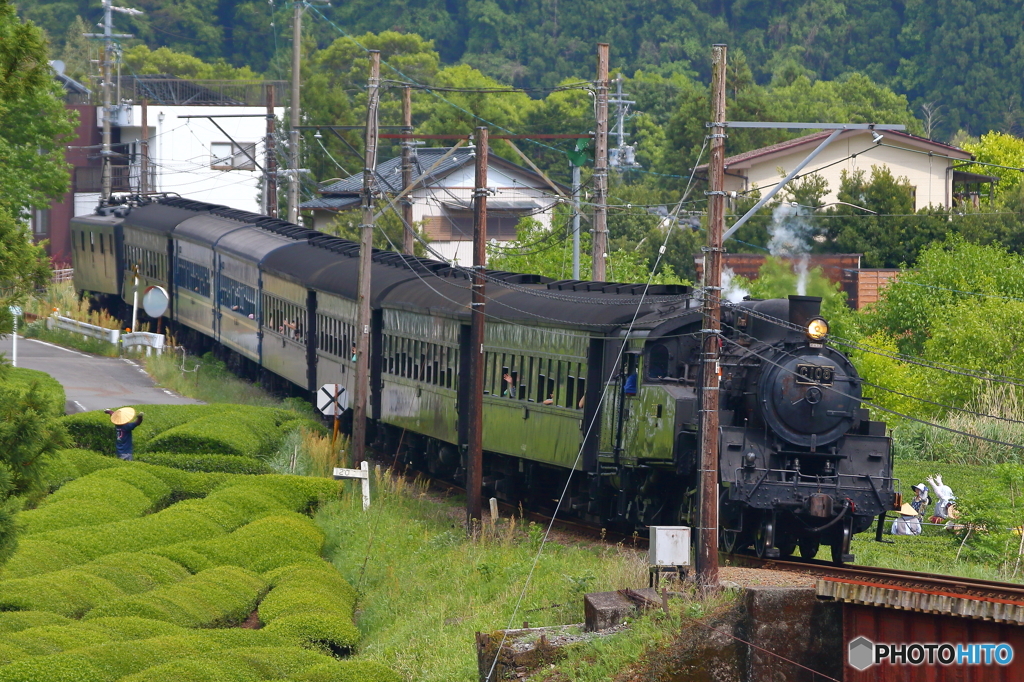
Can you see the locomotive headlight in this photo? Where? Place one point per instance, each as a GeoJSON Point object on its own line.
{"type": "Point", "coordinates": [817, 329]}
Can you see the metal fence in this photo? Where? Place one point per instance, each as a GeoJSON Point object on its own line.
{"type": "Point", "coordinates": [177, 91]}
{"type": "Point", "coordinates": [63, 275]}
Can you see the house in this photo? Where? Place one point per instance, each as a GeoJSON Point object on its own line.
{"type": "Point", "coordinates": [931, 168]}
{"type": "Point", "coordinates": [442, 204]}
{"type": "Point", "coordinates": [216, 161]}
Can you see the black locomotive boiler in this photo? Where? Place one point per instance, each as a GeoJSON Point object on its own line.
{"type": "Point", "coordinates": [598, 377]}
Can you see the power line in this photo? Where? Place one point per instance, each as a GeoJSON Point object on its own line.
{"type": "Point", "coordinates": [936, 404]}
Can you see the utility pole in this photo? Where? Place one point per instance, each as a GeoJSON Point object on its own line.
{"type": "Point", "coordinates": [108, 109]}
{"type": "Point", "coordinates": [144, 146]}
{"type": "Point", "coordinates": [293, 134]}
{"type": "Point", "coordinates": [623, 157]}
{"type": "Point", "coordinates": [575, 221]}
{"type": "Point", "coordinates": [270, 166]}
{"type": "Point", "coordinates": [600, 241]}
{"type": "Point", "coordinates": [362, 392]}
{"type": "Point", "coordinates": [108, 37]}
{"type": "Point", "coordinates": [475, 454]}
{"type": "Point", "coordinates": [408, 240]}
{"type": "Point", "coordinates": [707, 535]}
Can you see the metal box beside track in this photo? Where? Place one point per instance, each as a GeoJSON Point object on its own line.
{"type": "Point", "coordinates": [669, 546]}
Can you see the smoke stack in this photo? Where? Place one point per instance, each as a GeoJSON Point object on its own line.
{"type": "Point", "coordinates": [802, 309]}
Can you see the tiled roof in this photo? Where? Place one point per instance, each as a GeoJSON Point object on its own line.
{"type": "Point", "coordinates": [331, 203]}
{"type": "Point", "coordinates": [390, 172]}
{"type": "Point", "coordinates": [817, 137]}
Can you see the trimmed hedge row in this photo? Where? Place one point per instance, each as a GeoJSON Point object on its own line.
{"type": "Point", "coordinates": [68, 465]}
{"type": "Point", "coordinates": [217, 597]}
{"type": "Point", "coordinates": [230, 464]}
{"type": "Point", "coordinates": [260, 546]}
{"type": "Point", "coordinates": [242, 430]}
{"type": "Point", "coordinates": [311, 602]}
{"type": "Point", "coordinates": [74, 592]}
{"type": "Point", "coordinates": [101, 497]}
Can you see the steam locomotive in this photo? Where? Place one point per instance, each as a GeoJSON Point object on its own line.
{"type": "Point", "coordinates": [598, 377]}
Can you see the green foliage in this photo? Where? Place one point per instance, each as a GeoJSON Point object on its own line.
{"type": "Point", "coordinates": [74, 592]}
{"type": "Point", "coordinates": [228, 432]}
{"type": "Point", "coordinates": [312, 602]}
{"type": "Point", "coordinates": [1001, 149]}
{"type": "Point", "coordinates": [230, 464]}
{"type": "Point", "coordinates": [16, 621]}
{"type": "Point", "coordinates": [33, 126]}
{"type": "Point", "coordinates": [216, 597]}
{"type": "Point", "coordinates": [143, 61]}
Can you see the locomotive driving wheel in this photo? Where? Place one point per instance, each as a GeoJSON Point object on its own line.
{"type": "Point", "coordinates": [764, 537]}
{"type": "Point", "coordinates": [809, 547]}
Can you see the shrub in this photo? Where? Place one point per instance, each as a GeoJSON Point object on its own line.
{"type": "Point", "coordinates": [35, 556]}
{"type": "Point", "coordinates": [69, 593]}
{"type": "Point", "coordinates": [52, 639]}
{"type": "Point", "coordinates": [260, 546]}
{"type": "Point", "coordinates": [56, 668]}
{"type": "Point", "coordinates": [313, 603]}
{"type": "Point", "coordinates": [231, 464]}
{"type": "Point", "coordinates": [241, 664]}
{"type": "Point", "coordinates": [216, 597]}
{"type": "Point", "coordinates": [231, 432]}
{"type": "Point", "coordinates": [126, 628]}
{"type": "Point", "coordinates": [9, 654]}
{"type": "Point", "coordinates": [91, 431]}
{"type": "Point", "coordinates": [348, 671]}
{"type": "Point", "coordinates": [15, 621]}
{"type": "Point", "coordinates": [292, 425]}
{"type": "Point", "coordinates": [50, 398]}
{"type": "Point", "coordinates": [112, 501]}
{"type": "Point", "coordinates": [152, 486]}
{"type": "Point", "coordinates": [87, 461]}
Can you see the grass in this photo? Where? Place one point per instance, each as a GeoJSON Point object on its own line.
{"type": "Point", "coordinates": [426, 587]}
{"type": "Point", "coordinates": [60, 298]}
{"type": "Point", "coordinates": [60, 337]}
{"type": "Point", "coordinates": [208, 379]}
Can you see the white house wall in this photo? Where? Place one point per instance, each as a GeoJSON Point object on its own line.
{"type": "Point", "coordinates": [458, 185]}
{"type": "Point", "coordinates": [181, 156]}
{"type": "Point", "coordinates": [927, 174]}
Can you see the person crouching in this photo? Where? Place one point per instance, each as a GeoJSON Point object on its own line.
{"type": "Point", "coordinates": [909, 523]}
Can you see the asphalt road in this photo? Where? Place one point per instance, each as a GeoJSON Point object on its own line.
{"type": "Point", "coordinates": [92, 382]}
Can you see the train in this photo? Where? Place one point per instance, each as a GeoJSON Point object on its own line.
{"type": "Point", "coordinates": [598, 377]}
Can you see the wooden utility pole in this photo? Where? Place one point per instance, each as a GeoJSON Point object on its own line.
{"type": "Point", "coordinates": [293, 134]}
{"type": "Point", "coordinates": [600, 241]}
{"type": "Point", "coordinates": [270, 164]}
{"type": "Point", "coordinates": [475, 454]}
{"type": "Point", "coordinates": [144, 149]}
{"type": "Point", "coordinates": [408, 240]}
{"type": "Point", "coordinates": [707, 535]}
{"type": "Point", "coordinates": [362, 392]}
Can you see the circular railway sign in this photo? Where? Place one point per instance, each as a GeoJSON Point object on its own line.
{"type": "Point", "coordinates": [155, 301]}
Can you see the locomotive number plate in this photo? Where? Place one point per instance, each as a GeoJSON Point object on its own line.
{"type": "Point", "coordinates": [821, 375]}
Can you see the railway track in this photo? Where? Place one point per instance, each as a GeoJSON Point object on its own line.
{"type": "Point", "coordinates": [874, 577]}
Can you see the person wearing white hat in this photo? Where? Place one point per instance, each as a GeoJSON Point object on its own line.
{"type": "Point", "coordinates": [125, 421]}
{"type": "Point", "coordinates": [920, 500]}
{"type": "Point", "coordinates": [909, 523]}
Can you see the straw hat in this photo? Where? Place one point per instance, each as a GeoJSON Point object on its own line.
{"type": "Point", "coordinates": [907, 510]}
{"type": "Point", "coordinates": [122, 416]}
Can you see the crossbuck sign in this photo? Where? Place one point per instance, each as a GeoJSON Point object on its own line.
{"type": "Point", "coordinates": [330, 405]}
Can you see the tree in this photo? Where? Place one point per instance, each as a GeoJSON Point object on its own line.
{"type": "Point", "coordinates": [1004, 150]}
{"type": "Point", "coordinates": [33, 121]}
{"type": "Point", "coordinates": [143, 61]}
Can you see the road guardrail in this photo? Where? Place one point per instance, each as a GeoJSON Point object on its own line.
{"type": "Point", "coordinates": [83, 328]}
{"type": "Point", "coordinates": [140, 340]}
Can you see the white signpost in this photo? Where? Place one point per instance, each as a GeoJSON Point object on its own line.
{"type": "Point", "coordinates": [16, 312]}
{"type": "Point", "coordinates": [363, 472]}
{"type": "Point", "coordinates": [332, 400]}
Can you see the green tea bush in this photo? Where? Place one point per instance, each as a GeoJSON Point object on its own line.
{"type": "Point", "coordinates": [91, 431]}
{"type": "Point", "coordinates": [240, 664]}
{"type": "Point", "coordinates": [9, 654]}
{"type": "Point", "coordinates": [235, 433]}
{"type": "Point", "coordinates": [231, 464]}
{"type": "Point", "coordinates": [70, 592]}
{"type": "Point", "coordinates": [52, 639]}
{"type": "Point", "coordinates": [16, 621]}
{"type": "Point", "coordinates": [348, 671]}
{"type": "Point", "coordinates": [35, 556]}
{"type": "Point", "coordinates": [56, 668]}
{"type": "Point", "coordinates": [73, 592]}
{"type": "Point", "coordinates": [313, 603]}
{"type": "Point", "coordinates": [86, 462]}
{"type": "Point", "coordinates": [260, 546]}
{"type": "Point", "coordinates": [127, 628]}
{"type": "Point", "coordinates": [293, 425]}
{"type": "Point", "coordinates": [213, 598]}
{"type": "Point", "coordinates": [97, 502]}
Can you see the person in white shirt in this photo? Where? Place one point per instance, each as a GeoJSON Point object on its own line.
{"type": "Point", "coordinates": [909, 523]}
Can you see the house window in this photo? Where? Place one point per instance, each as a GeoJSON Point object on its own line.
{"type": "Point", "coordinates": [41, 223]}
{"type": "Point", "coordinates": [457, 225]}
{"type": "Point", "coordinates": [233, 156]}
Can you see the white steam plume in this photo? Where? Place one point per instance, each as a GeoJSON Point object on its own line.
{"type": "Point", "coordinates": [791, 235]}
{"type": "Point", "coordinates": [731, 290]}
